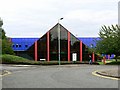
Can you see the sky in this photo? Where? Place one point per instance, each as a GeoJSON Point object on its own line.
{"type": "Point", "coordinates": [33, 18]}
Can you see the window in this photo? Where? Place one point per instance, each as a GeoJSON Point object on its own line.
{"type": "Point", "coordinates": [91, 45]}
{"type": "Point", "coordinates": [19, 45]}
{"type": "Point", "coordinates": [13, 45]}
{"type": "Point", "coordinates": [26, 46]}
{"type": "Point", "coordinates": [16, 45]}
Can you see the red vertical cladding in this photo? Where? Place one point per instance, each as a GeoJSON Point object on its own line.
{"type": "Point", "coordinates": [93, 57]}
{"type": "Point", "coordinates": [80, 51]}
{"type": "Point", "coordinates": [68, 46]}
{"type": "Point", "coordinates": [36, 51]}
{"type": "Point", "coordinates": [48, 46]}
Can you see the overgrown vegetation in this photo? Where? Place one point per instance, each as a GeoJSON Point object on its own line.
{"type": "Point", "coordinates": [6, 44]}
{"type": "Point", "coordinates": [110, 40]}
{"type": "Point", "coordinates": [11, 59]}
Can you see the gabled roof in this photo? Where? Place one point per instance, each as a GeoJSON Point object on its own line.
{"type": "Point", "coordinates": [22, 44]}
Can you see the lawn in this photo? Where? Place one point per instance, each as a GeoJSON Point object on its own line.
{"type": "Point", "coordinates": [110, 62]}
{"type": "Point", "coordinates": [11, 59]}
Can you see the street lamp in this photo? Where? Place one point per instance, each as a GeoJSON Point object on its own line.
{"type": "Point", "coordinates": [59, 39]}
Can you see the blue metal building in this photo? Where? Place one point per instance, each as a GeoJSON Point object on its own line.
{"type": "Point", "coordinates": [89, 41]}
{"type": "Point", "coordinates": [22, 44]}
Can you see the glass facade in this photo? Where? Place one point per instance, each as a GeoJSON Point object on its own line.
{"type": "Point", "coordinates": [31, 51]}
{"type": "Point", "coordinates": [85, 54]}
{"type": "Point", "coordinates": [42, 47]}
{"type": "Point", "coordinates": [63, 43]}
{"type": "Point", "coordinates": [53, 43]}
{"type": "Point", "coordinates": [47, 46]}
{"type": "Point", "coordinates": [74, 46]}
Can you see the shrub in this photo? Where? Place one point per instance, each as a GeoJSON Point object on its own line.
{"type": "Point", "coordinates": [11, 59]}
{"type": "Point", "coordinates": [6, 47]}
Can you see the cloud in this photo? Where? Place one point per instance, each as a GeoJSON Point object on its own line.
{"type": "Point", "coordinates": [92, 16]}
{"type": "Point", "coordinates": [40, 15]}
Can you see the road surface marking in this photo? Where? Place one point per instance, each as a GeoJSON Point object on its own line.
{"type": "Point", "coordinates": [6, 73]}
{"type": "Point", "coordinates": [95, 73]}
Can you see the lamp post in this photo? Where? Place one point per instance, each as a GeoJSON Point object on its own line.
{"type": "Point", "coordinates": [59, 39]}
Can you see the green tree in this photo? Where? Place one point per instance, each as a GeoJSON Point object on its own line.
{"type": "Point", "coordinates": [5, 44]}
{"type": "Point", "coordinates": [110, 40]}
{"type": "Point", "coordinates": [1, 23]}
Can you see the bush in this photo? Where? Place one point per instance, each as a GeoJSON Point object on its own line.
{"type": "Point", "coordinates": [6, 47]}
{"type": "Point", "coordinates": [118, 57]}
{"type": "Point", "coordinates": [11, 59]}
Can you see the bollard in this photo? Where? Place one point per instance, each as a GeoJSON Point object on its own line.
{"type": "Point", "coordinates": [104, 60]}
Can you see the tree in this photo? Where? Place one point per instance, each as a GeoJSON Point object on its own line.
{"type": "Point", "coordinates": [6, 44]}
{"type": "Point", "coordinates": [1, 23]}
{"type": "Point", "coordinates": [110, 40]}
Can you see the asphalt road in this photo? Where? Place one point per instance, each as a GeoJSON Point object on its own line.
{"type": "Point", "coordinates": [64, 76]}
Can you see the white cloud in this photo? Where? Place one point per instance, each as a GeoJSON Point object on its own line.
{"type": "Point", "coordinates": [92, 16]}
{"type": "Point", "coordinates": [40, 15]}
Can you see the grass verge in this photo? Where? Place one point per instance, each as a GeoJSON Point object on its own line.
{"type": "Point", "coordinates": [114, 62]}
{"type": "Point", "coordinates": [110, 62]}
{"type": "Point", "coordinates": [11, 59]}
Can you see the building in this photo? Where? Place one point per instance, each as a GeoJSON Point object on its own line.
{"type": "Point", "coordinates": [47, 47]}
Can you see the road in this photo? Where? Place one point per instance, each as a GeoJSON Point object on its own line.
{"type": "Point", "coordinates": [64, 76]}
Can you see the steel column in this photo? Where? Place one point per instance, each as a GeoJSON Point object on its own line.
{"type": "Point", "coordinates": [68, 46]}
{"type": "Point", "coordinates": [48, 47]}
{"type": "Point", "coordinates": [36, 51]}
{"type": "Point", "coordinates": [80, 51]}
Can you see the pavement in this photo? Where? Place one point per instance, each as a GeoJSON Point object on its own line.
{"type": "Point", "coordinates": [113, 73]}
